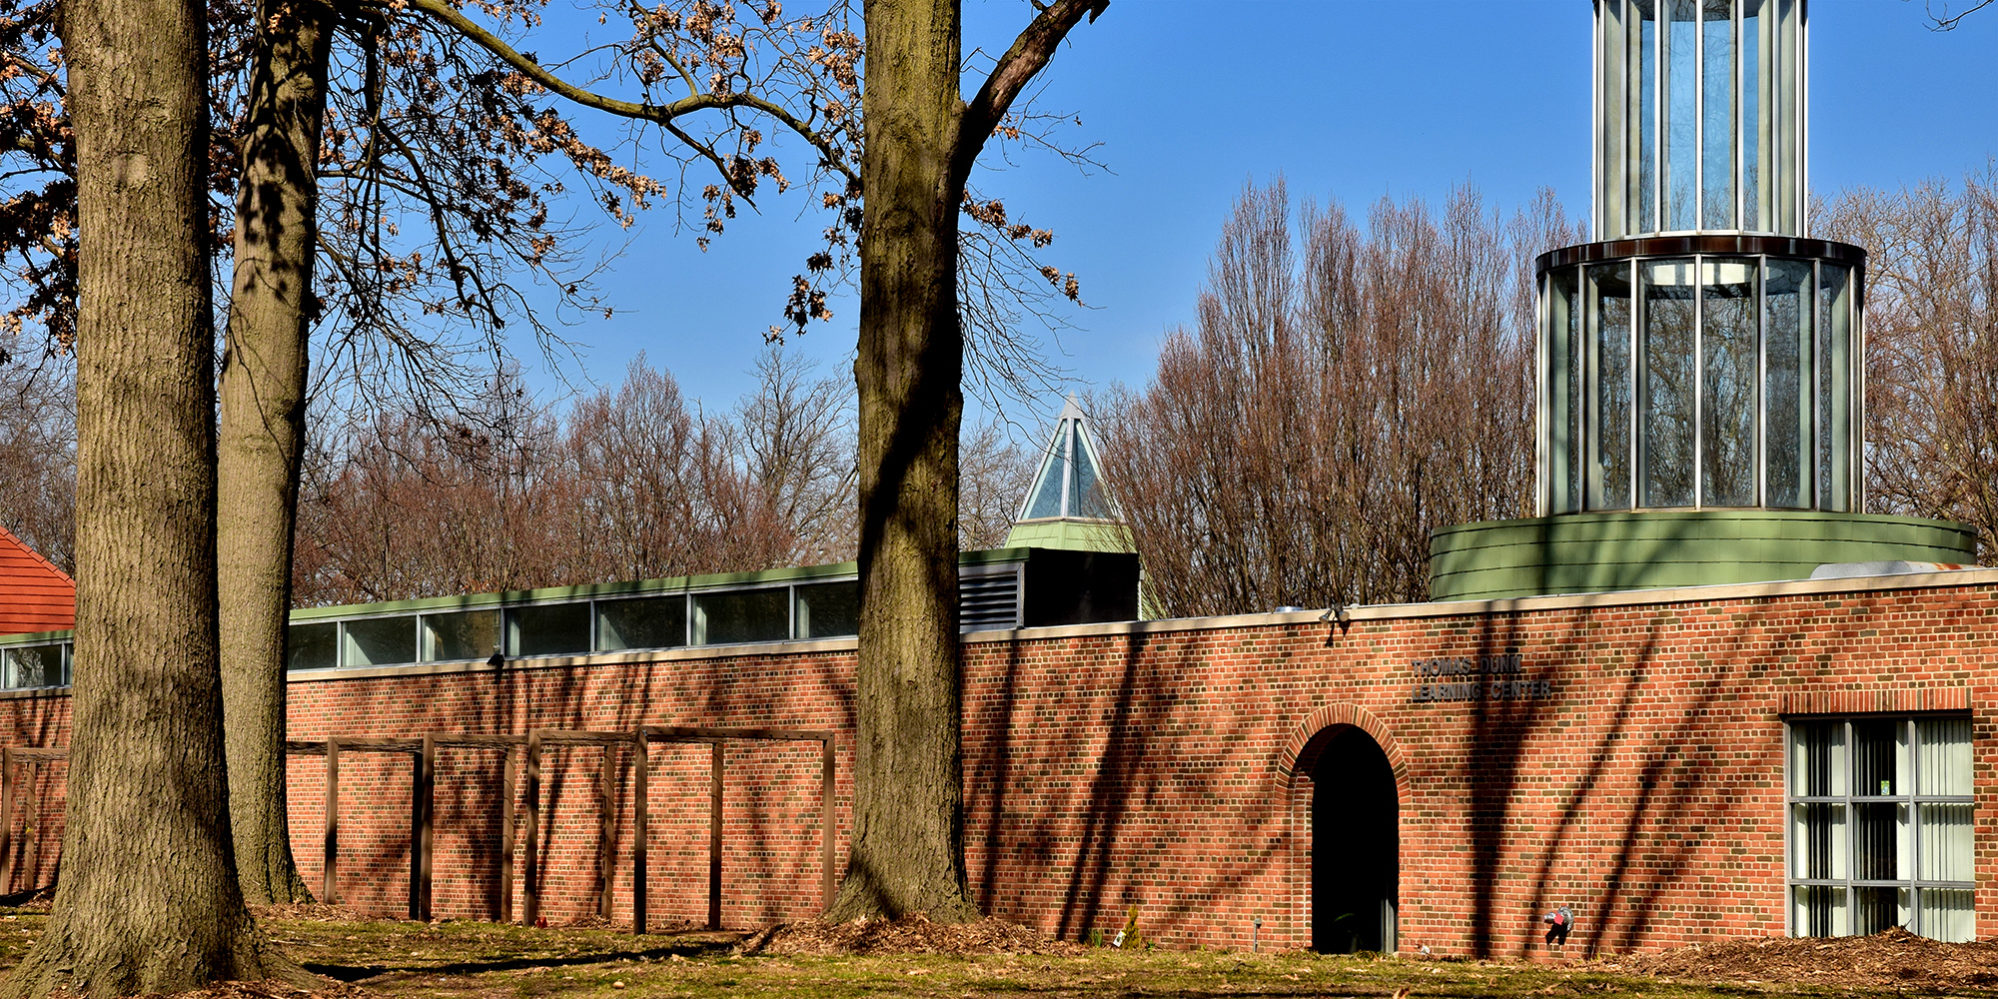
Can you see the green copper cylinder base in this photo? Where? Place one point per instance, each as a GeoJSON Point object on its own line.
{"type": "Point", "coordinates": [1649, 549]}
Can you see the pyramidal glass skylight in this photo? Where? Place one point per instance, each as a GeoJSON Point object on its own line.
{"type": "Point", "coordinates": [1068, 485]}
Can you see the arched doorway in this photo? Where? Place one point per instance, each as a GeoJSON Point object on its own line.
{"type": "Point", "coordinates": [1355, 846]}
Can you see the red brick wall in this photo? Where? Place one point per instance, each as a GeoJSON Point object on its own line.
{"type": "Point", "coordinates": [1166, 766]}
{"type": "Point", "coordinates": [35, 789]}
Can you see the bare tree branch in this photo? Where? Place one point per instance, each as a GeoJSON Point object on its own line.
{"type": "Point", "coordinates": [1030, 52]}
{"type": "Point", "coordinates": [1947, 21]}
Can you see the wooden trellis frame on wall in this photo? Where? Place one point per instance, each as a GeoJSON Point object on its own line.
{"type": "Point", "coordinates": [36, 757]}
{"type": "Point", "coordinates": [527, 749]}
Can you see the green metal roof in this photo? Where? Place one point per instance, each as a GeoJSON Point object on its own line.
{"type": "Point", "coordinates": [35, 637]}
{"type": "Point", "coordinates": [551, 594]}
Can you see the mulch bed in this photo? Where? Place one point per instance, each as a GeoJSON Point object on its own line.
{"type": "Point", "coordinates": [272, 990]}
{"type": "Point", "coordinates": [314, 912]}
{"type": "Point", "coordinates": [908, 935]}
{"type": "Point", "coordinates": [1896, 958]}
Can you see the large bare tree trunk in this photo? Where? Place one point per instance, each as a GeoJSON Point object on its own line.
{"type": "Point", "coordinates": [263, 428]}
{"type": "Point", "coordinates": [148, 901]}
{"type": "Point", "coordinates": [907, 851]}
{"type": "Point", "coordinates": [908, 838]}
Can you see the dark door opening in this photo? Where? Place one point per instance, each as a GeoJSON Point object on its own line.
{"type": "Point", "coordinates": [1355, 847]}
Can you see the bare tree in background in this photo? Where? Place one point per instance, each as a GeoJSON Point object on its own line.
{"type": "Point", "coordinates": [38, 458]}
{"type": "Point", "coordinates": [636, 451]}
{"type": "Point", "coordinates": [631, 482]}
{"type": "Point", "coordinates": [407, 507]}
{"type": "Point", "coordinates": [623, 492]}
{"type": "Point", "coordinates": [1344, 392]}
{"type": "Point", "coordinates": [509, 495]}
{"type": "Point", "coordinates": [1931, 348]}
{"type": "Point", "coordinates": [795, 434]}
{"type": "Point", "coordinates": [993, 474]}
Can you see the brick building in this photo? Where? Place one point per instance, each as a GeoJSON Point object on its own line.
{"type": "Point", "coordinates": [1661, 762]}
{"type": "Point", "coordinates": [1633, 705]}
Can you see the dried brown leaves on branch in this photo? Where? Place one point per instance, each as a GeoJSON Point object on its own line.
{"type": "Point", "coordinates": [38, 186]}
{"type": "Point", "coordinates": [1005, 293]}
{"type": "Point", "coordinates": [455, 174]}
{"type": "Point", "coordinates": [463, 159]}
{"type": "Point", "coordinates": [1345, 390]}
{"type": "Point", "coordinates": [461, 185]}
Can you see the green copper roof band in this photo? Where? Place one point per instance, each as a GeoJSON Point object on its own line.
{"type": "Point", "coordinates": [1072, 535]}
{"type": "Point", "coordinates": [1635, 550]}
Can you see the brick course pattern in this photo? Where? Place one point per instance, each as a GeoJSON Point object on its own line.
{"type": "Point", "coordinates": [1629, 763]}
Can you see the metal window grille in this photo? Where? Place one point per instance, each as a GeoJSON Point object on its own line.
{"type": "Point", "coordinates": [1880, 826]}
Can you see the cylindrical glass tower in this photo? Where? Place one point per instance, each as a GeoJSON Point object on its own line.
{"type": "Point", "coordinates": [1702, 353]}
{"type": "Point", "coordinates": [1700, 371]}
{"type": "Point", "coordinates": [1699, 117]}
{"type": "Point", "coordinates": [1700, 365]}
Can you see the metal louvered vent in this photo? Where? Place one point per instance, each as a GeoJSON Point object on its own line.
{"type": "Point", "coordinates": [989, 600]}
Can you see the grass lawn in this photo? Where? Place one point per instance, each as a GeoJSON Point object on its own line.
{"type": "Point", "coordinates": [466, 960]}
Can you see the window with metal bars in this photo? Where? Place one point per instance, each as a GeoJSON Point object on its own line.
{"type": "Point", "coordinates": [1880, 826]}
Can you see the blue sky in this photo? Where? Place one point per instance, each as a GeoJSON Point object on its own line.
{"type": "Point", "coordinates": [1350, 100]}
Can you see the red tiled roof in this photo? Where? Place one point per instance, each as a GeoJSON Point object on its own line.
{"type": "Point", "coordinates": [34, 595]}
